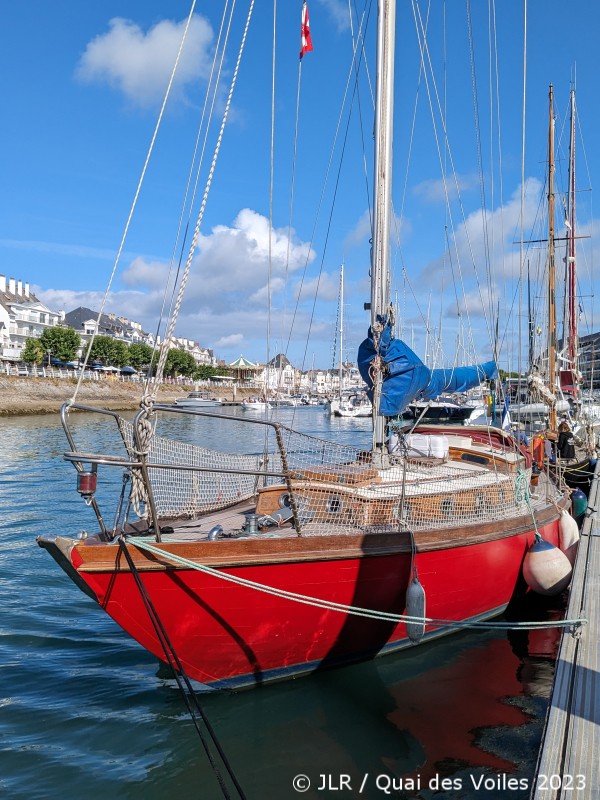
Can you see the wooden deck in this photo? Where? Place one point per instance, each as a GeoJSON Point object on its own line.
{"type": "Point", "coordinates": [569, 760]}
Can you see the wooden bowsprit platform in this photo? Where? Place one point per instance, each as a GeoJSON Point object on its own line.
{"type": "Point", "coordinates": [569, 760]}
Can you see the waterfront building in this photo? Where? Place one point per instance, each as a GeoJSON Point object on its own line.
{"type": "Point", "coordinates": [326, 382]}
{"type": "Point", "coordinates": [279, 375]}
{"type": "Point", "coordinates": [203, 356]}
{"type": "Point", "coordinates": [86, 323]}
{"type": "Point", "coordinates": [589, 360]}
{"type": "Point", "coordinates": [22, 316]}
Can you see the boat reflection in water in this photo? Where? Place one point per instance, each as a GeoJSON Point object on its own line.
{"type": "Point", "coordinates": [468, 707]}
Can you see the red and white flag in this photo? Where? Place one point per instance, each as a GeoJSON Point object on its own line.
{"type": "Point", "coordinates": [305, 40]}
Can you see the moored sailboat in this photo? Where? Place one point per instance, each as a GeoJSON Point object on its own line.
{"type": "Point", "coordinates": [255, 566]}
{"type": "Point", "coordinates": [562, 378]}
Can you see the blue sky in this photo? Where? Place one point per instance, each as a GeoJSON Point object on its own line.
{"type": "Point", "coordinates": [82, 84]}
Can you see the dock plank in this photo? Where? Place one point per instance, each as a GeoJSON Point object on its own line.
{"type": "Point", "coordinates": [569, 761]}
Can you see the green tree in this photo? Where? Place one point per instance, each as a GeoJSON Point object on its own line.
{"type": "Point", "coordinates": [503, 375]}
{"type": "Point", "coordinates": [179, 363]}
{"type": "Point", "coordinates": [204, 372]}
{"type": "Point", "coordinates": [140, 356]}
{"type": "Point", "coordinates": [108, 351]}
{"type": "Point", "coordinates": [120, 354]}
{"type": "Point", "coordinates": [33, 352]}
{"type": "Point", "coordinates": [61, 341]}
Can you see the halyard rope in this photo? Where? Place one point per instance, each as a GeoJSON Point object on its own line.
{"type": "Point", "coordinates": [144, 425]}
{"type": "Point", "coordinates": [167, 341]}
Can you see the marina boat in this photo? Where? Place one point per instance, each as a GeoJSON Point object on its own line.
{"type": "Point", "coordinates": [586, 411]}
{"type": "Point", "coordinates": [255, 404]}
{"type": "Point", "coordinates": [198, 399]}
{"type": "Point", "coordinates": [302, 554]}
{"type": "Point", "coordinates": [284, 401]}
{"type": "Point", "coordinates": [562, 377]}
{"type": "Point", "coordinates": [353, 405]}
{"type": "Point", "coordinates": [448, 409]}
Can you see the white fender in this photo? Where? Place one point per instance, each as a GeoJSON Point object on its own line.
{"type": "Point", "coordinates": [546, 569]}
{"type": "Point", "coordinates": [568, 535]}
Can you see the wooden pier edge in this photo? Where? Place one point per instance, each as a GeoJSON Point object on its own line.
{"type": "Point", "coordinates": [568, 763]}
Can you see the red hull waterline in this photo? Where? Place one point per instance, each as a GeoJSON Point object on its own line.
{"type": "Point", "coordinates": [229, 636]}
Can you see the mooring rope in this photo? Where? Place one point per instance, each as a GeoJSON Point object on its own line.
{"type": "Point", "coordinates": [330, 605]}
{"type": "Point", "coordinates": [522, 495]}
{"type": "Point", "coordinates": [190, 697]}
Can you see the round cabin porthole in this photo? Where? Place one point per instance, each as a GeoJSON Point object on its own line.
{"type": "Point", "coordinates": [334, 504]}
{"type": "Point", "coordinates": [284, 500]}
{"type": "Point", "coordinates": [447, 506]}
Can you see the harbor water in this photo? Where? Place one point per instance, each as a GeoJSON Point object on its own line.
{"type": "Point", "coordinates": [85, 712]}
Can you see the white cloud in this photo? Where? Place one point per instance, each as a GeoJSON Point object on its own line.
{"type": "Point", "coordinates": [261, 295]}
{"type": "Point", "coordinates": [139, 63]}
{"type": "Point", "coordinates": [473, 250]}
{"type": "Point", "coordinates": [233, 340]}
{"type": "Point", "coordinates": [327, 287]}
{"type": "Point", "coordinates": [68, 299]}
{"type": "Point", "coordinates": [360, 232]}
{"type": "Point", "coordinates": [148, 274]}
{"type": "Point", "coordinates": [435, 191]}
{"type": "Point", "coordinates": [399, 230]}
{"type": "Point", "coordinates": [338, 10]}
{"type": "Point", "coordinates": [475, 304]}
{"type": "Point", "coordinates": [225, 299]}
{"type": "Point", "coordinates": [232, 262]}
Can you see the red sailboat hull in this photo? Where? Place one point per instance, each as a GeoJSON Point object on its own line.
{"type": "Point", "coordinates": [230, 635]}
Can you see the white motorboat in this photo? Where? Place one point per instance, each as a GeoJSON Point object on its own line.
{"type": "Point", "coordinates": [254, 404]}
{"type": "Point", "coordinates": [198, 399]}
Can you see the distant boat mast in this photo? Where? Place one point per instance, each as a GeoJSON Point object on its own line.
{"type": "Point", "coordinates": [572, 344]}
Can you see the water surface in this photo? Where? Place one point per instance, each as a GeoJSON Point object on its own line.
{"type": "Point", "coordinates": [85, 712]}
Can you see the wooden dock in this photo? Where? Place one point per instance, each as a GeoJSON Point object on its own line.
{"type": "Point", "coordinates": [569, 760]}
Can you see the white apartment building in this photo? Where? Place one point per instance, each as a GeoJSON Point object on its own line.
{"type": "Point", "coordinates": [201, 355]}
{"type": "Point", "coordinates": [22, 316]}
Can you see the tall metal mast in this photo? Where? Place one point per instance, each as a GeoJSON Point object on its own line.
{"type": "Point", "coordinates": [380, 256]}
{"type": "Point", "coordinates": [551, 264]}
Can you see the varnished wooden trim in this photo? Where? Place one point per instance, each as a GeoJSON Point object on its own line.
{"type": "Point", "coordinates": [105, 557]}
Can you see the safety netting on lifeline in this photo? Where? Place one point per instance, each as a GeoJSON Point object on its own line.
{"type": "Point", "coordinates": [334, 487]}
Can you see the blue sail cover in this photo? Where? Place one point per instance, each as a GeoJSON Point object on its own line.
{"type": "Point", "coordinates": [406, 378]}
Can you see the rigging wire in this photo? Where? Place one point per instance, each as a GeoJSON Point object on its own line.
{"type": "Point", "coordinates": [196, 234]}
{"type": "Point", "coordinates": [486, 244]}
{"type": "Point", "coordinates": [214, 82]}
{"type": "Point", "coordinates": [135, 199]}
{"type": "Point", "coordinates": [271, 179]}
{"type": "Point", "coordinates": [406, 279]}
{"type": "Point", "coordinates": [499, 131]}
{"type": "Point", "coordinates": [357, 48]}
{"type": "Point", "coordinates": [522, 233]}
{"type": "Point", "coordinates": [424, 47]}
